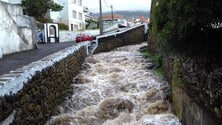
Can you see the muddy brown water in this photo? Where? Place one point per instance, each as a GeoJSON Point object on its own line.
{"type": "Point", "coordinates": [116, 88]}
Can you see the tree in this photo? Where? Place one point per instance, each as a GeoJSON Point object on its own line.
{"type": "Point", "coordinates": [38, 9]}
{"type": "Point", "coordinates": [89, 22]}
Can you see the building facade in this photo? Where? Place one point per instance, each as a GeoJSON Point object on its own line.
{"type": "Point", "coordinates": [115, 19]}
{"type": "Point", "coordinates": [71, 15]}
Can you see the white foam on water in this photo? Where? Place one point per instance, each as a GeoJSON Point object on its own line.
{"type": "Point", "coordinates": [116, 88]}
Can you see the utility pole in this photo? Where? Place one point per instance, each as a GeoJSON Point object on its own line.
{"type": "Point", "coordinates": [112, 11]}
{"type": "Point", "coordinates": [101, 20]}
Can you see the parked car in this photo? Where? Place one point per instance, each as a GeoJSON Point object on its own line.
{"type": "Point", "coordinates": [137, 21]}
{"type": "Point", "coordinates": [84, 37]}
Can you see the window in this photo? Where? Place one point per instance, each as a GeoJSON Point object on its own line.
{"type": "Point", "coordinates": [76, 27]}
{"type": "Point", "coordinates": [24, 12]}
{"type": "Point", "coordinates": [80, 16]}
{"type": "Point", "coordinates": [80, 25]}
{"type": "Point", "coordinates": [79, 2]}
{"type": "Point", "coordinates": [71, 27]}
{"type": "Point", "coordinates": [74, 14]}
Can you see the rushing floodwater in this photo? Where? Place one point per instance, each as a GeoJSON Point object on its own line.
{"type": "Point", "coordinates": [116, 88]}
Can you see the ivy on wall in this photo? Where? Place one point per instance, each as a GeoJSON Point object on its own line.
{"type": "Point", "coordinates": [190, 32]}
{"type": "Point", "coordinates": [187, 26]}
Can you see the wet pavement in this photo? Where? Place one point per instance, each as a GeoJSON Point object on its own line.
{"type": "Point", "coordinates": [14, 61]}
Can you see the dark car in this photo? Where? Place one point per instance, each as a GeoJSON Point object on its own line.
{"type": "Point", "coordinates": [84, 37]}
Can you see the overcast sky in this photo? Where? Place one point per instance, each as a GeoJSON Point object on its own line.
{"type": "Point", "coordinates": [93, 5]}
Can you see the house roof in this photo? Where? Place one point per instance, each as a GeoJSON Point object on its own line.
{"type": "Point", "coordinates": [90, 17]}
{"type": "Point", "coordinates": [115, 16]}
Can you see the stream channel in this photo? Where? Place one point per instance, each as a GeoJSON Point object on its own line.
{"type": "Point", "coordinates": [117, 88]}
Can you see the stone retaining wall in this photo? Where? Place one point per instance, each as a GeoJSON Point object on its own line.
{"type": "Point", "coordinates": [189, 98]}
{"type": "Point", "coordinates": [195, 76]}
{"type": "Point", "coordinates": [128, 37]}
{"type": "Point", "coordinates": [29, 96]}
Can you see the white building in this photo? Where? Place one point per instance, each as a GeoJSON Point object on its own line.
{"type": "Point", "coordinates": [88, 14]}
{"type": "Point", "coordinates": [71, 15]}
{"type": "Point", "coordinates": [12, 1]}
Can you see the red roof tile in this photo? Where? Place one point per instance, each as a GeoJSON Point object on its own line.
{"type": "Point", "coordinates": [115, 16]}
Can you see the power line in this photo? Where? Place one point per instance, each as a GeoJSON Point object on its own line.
{"type": "Point", "coordinates": [109, 6]}
{"type": "Point", "coordinates": [106, 3]}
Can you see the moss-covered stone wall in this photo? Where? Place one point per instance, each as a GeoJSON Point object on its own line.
{"type": "Point", "coordinates": [46, 89]}
{"type": "Point", "coordinates": [190, 47]}
{"type": "Point", "coordinates": [196, 88]}
{"type": "Point", "coordinates": [129, 37]}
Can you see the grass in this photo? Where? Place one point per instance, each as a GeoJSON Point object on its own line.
{"type": "Point", "coordinates": [157, 61]}
{"type": "Point", "coordinates": [160, 72]}
{"type": "Point", "coordinates": [176, 73]}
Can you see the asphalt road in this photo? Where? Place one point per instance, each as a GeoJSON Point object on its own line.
{"type": "Point", "coordinates": [18, 60]}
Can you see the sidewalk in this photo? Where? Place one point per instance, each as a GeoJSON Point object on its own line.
{"type": "Point", "coordinates": [18, 60]}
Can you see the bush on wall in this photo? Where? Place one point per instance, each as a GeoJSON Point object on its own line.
{"type": "Point", "coordinates": [191, 30]}
{"type": "Point", "coordinates": [187, 26]}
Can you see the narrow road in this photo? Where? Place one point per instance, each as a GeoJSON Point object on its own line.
{"type": "Point", "coordinates": [18, 60]}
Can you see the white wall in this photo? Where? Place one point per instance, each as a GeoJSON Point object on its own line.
{"type": "Point", "coordinates": [12, 1]}
{"type": "Point", "coordinates": [61, 16]}
{"type": "Point", "coordinates": [13, 38]}
{"type": "Point", "coordinates": [5, 1]}
{"type": "Point", "coordinates": [78, 9]}
{"type": "Point", "coordinates": [65, 36]}
{"type": "Point", "coordinates": [15, 1]}
{"type": "Point", "coordinates": [14, 9]}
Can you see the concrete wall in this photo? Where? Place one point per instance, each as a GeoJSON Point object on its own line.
{"type": "Point", "coordinates": [30, 95]}
{"type": "Point", "coordinates": [15, 36]}
{"type": "Point", "coordinates": [13, 9]}
{"type": "Point", "coordinates": [12, 1]}
{"type": "Point", "coordinates": [190, 112]}
{"type": "Point", "coordinates": [111, 27]}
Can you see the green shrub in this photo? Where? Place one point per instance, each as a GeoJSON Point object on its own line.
{"type": "Point", "coordinates": [156, 59]}
{"type": "Point", "coordinates": [186, 26]}
{"type": "Point", "coordinates": [176, 73]}
{"type": "Point", "coordinates": [47, 20]}
{"type": "Point", "coordinates": [44, 20]}
{"type": "Point", "coordinates": [63, 26]}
